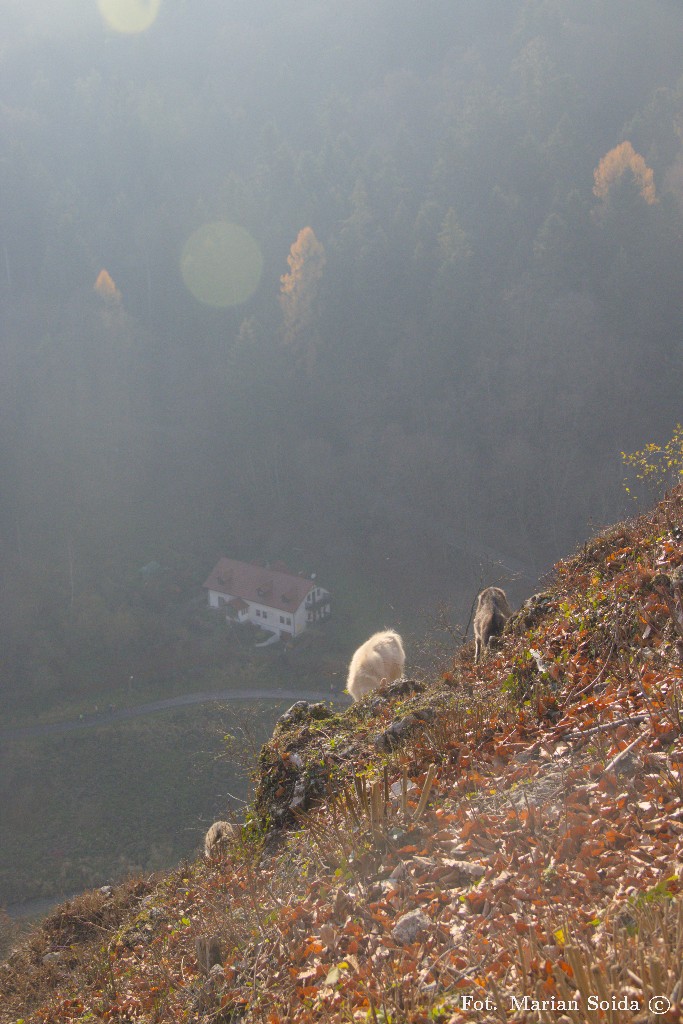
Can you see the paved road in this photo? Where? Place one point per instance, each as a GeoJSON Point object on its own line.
{"type": "Point", "coordinates": [186, 700]}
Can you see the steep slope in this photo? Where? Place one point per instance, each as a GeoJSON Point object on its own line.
{"type": "Point", "coordinates": [504, 842]}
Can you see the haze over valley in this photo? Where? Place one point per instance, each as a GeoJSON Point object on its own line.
{"type": "Point", "coordinates": [381, 291]}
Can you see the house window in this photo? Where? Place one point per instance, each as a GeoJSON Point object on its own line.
{"type": "Point", "coordinates": [289, 620]}
{"type": "Point", "coordinates": [282, 619]}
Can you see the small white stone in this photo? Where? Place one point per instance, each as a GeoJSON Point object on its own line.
{"type": "Point", "coordinates": [396, 789]}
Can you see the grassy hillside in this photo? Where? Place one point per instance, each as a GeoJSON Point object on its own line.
{"type": "Point", "coordinates": [151, 783]}
{"type": "Point", "coordinates": [502, 842]}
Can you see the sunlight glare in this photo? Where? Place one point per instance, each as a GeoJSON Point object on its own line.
{"type": "Point", "coordinates": [129, 16]}
{"type": "Point", "coordinates": [221, 264]}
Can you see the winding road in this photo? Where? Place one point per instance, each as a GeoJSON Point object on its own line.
{"type": "Point", "coordinates": [39, 907]}
{"type": "Point", "coordinates": [185, 700]}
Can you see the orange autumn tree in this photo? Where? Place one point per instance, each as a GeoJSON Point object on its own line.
{"type": "Point", "coordinates": [298, 292]}
{"type": "Point", "coordinates": [105, 287]}
{"type": "Point", "coordinates": [614, 165]}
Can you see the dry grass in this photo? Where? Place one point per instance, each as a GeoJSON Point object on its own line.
{"type": "Point", "coordinates": [525, 814]}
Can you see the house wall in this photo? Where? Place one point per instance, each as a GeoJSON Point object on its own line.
{"type": "Point", "coordinates": [269, 618]}
{"type": "Point", "coordinates": [261, 615]}
{"type": "Point", "coordinates": [300, 619]}
{"type": "Point", "coordinates": [272, 618]}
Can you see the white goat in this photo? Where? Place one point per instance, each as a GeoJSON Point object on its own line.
{"type": "Point", "coordinates": [490, 617]}
{"type": "Point", "coordinates": [379, 660]}
{"type": "Point", "coordinates": [218, 839]}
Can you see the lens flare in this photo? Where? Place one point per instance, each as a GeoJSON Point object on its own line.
{"type": "Point", "coordinates": [221, 264]}
{"type": "Point", "coordinates": [129, 16]}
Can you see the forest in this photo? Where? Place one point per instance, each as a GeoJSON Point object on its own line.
{"type": "Point", "coordinates": [382, 290]}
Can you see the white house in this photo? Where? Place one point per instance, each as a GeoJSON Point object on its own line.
{"type": "Point", "coordinates": [272, 596]}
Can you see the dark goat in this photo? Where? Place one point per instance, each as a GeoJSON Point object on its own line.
{"type": "Point", "coordinates": [490, 617]}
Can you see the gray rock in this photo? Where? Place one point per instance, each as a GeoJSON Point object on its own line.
{"type": "Point", "coordinates": [295, 713]}
{"type": "Point", "coordinates": [397, 731]}
{"type": "Point", "coordinates": [298, 801]}
{"type": "Point", "coordinates": [303, 711]}
{"type": "Point", "coordinates": [404, 686]}
{"type": "Point", "coordinates": [424, 714]}
{"type": "Point", "coordinates": [409, 927]}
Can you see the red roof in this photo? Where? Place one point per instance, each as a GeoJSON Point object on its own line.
{"type": "Point", "coordinates": [273, 587]}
